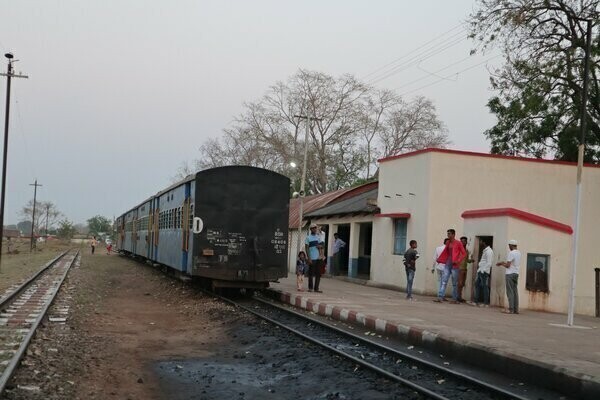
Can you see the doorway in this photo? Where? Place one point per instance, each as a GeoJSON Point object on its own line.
{"type": "Point", "coordinates": [477, 252]}
{"type": "Point", "coordinates": [344, 231]}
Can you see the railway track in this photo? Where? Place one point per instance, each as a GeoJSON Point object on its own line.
{"type": "Point", "coordinates": [22, 310]}
{"type": "Point", "coordinates": [429, 379]}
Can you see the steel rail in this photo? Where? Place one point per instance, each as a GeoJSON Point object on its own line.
{"type": "Point", "coordinates": [340, 353]}
{"type": "Point", "coordinates": [17, 291]}
{"type": "Point", "coordinates": [12, 366]}
{"type": "Point", "coordinates": [399, 353]}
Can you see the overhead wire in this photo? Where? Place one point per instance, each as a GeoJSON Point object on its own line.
{"type": "Point", "coordinates": [21, 132]}
{"type": "Point", "coordinates": [411, 52]}
{"type": "Point", "coordinates": [453, 74]}
{"type": "Point", "coordinates": [432, 73]}
{"type": "Point", "coordinates": [429, 53]}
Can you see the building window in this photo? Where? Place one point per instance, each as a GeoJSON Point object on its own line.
{"type": "Point", "coordinates": [537, 272]}
{"type": "Point", "coordinates": [400, 235]}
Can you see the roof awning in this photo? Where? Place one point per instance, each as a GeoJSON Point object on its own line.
{"type": "Point", "coordinates": [393, 215]}
{"type": "Point", "coordinates": [518, 214]}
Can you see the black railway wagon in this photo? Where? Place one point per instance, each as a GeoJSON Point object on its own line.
{"type": "Point", "coordinates": [227, 225]}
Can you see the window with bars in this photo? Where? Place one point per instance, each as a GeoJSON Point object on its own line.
{"type": "Point", "coordinates": [538, 268]}
{"type": "Point", "coordinates": [400, 225]}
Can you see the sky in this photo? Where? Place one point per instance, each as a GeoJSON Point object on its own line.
{"type": "Point", "coordinates": [121, 93]}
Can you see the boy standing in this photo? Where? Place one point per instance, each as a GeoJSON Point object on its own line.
{"type": "Point", "coordinates": [410, 261]}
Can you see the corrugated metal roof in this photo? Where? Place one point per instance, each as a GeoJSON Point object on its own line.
{"type": "Point", "coordinates": [315, 202]}
{"type": "Point", "coordinates": [312, 203]}
{"type": "Point", "coordinates": [358, 204]}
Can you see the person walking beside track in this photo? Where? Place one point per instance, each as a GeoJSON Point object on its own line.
{"type": "Point", "coordinates": [482, 283]}
{"type": "Point", "coordinates": [512, 263]}
{"type": "Point", "coordinates": [93, 244]}
{"type": "Point", "coordinates": [451, 257]}
{"type": "Point", "coordinates": [314, 249]}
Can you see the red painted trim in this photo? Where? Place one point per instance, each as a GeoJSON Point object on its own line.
{"type": "Point", "coordinates": [393, 215]}
{"type": "Point", "coordinates": [476, 154]}
{"type": "Point", "coordinates": [519, 214]}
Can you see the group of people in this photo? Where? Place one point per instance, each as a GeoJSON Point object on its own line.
{"type": "Point", "coordinates": [313, 265]}
{"type": "Point", "coordinates": [451, 261]}
{"type": "Point", "coordinates": [94, 243]}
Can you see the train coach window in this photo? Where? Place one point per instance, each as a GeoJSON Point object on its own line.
{"type": "Point", "coordinates": [191, 219]}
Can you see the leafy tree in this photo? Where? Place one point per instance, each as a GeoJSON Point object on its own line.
{"type": "Point", "coordinates": [24, 227]}
{"type": "Point", "coordinates": [99, 224]}
{"type": "Point", "coordinates": [66, 229]}
{"type": "Point", "coordinates": [354, 126]}
{"type": "Point", "coordinates": [46, 213]}
{"type": "Point", "coordinates": [540, 86]}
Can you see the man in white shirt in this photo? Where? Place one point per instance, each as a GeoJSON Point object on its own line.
{"type": "Point", "coordinates": [512, 263]}
{"type": "Point", "coordinates": [439, 267]}
{"type": "Point", "coordinates": [482, 284]}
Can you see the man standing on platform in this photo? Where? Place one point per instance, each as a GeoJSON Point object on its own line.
{"type": "Point", "coordinates": [410, 265]}
{"type": "Point", "coordinates": [482, 284]}
{"type": "Point", "coordinates": [439, 267]}
{"type": "Point", "coordinates": [462, 272]}
{"type": "Point", "coordinates": [512, 263]}
{"type": "Point", "coordinates": [314, 248]}
{"type": "Point", "coordinates": [337, 254]}
{"type": "Point", "coordinates": [451, 257]}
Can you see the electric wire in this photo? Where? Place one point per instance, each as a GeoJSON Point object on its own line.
{"type": "Point", "coordinates": [411, 51]}
{"type": "Point", "coordinates": [430, 74]}
{"type": "Point", "coordinates": [425, 55]}
{"type": "Point", "coordinates": [21, 132]}
{"type": "Point", "coordinates": [453, 74]}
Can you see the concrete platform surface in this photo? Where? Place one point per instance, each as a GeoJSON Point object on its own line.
{"type": "Point", "coordinates": [531, 343]}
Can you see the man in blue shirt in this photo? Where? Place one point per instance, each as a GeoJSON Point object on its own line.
{"type": "Point", "coordinates": [314, 248]}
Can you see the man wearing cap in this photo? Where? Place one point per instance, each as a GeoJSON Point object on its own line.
{"type": "Point", "coordinates": [314, 248]}
{"type": "Point", "coordinates": [512, 263]}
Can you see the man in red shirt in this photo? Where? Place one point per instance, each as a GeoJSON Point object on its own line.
{"type": "Point", "coordinates": [451, 257]}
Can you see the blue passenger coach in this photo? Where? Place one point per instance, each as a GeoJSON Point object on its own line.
{"type": "Point", "coordinates": [227, 225]}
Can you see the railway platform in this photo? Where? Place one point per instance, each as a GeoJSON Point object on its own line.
{"type": "Point", "coordinates": [534, 346]}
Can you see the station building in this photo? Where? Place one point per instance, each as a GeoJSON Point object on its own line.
{"type": "Point", "coordinates": [423, 193]}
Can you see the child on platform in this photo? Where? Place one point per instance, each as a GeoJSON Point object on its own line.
{"type": "Point", "coordinates": [301, 269]}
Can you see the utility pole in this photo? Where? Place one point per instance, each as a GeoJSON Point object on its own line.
{"type": "Point", "coordinates": [580, 154]}
{"type": "Point", "coordinates": [303, 180]}
{"type": "Point", "coordinates": [35, 186]}
{"type": "Point", "coordinates": [47, 216]}
{"type": "Point", "coordinates": [9, 74]}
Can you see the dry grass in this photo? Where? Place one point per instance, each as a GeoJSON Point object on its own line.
{"type": "Point", "coordinates": [18, 267]}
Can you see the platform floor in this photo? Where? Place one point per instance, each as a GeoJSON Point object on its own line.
{"type": "Point", "coordinates": [530, 334]}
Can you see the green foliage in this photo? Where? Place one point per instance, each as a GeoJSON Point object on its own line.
{"type": "Point", "coordinates": [99, 224]}
{"type": "Point", "coordinates": [66, 229]}
{"type": "Point", "coordinates": [540, 87]}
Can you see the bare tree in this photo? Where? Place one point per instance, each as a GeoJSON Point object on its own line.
{"type": "Point", "coordinates": [46, 214]}
{"type": "Point", "coordinates": [412, 126]}
{"type": "Point", "coordinates": [352, 125]}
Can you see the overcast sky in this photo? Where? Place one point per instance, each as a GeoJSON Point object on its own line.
{"type": "Point", "coordinates": [120, 93]}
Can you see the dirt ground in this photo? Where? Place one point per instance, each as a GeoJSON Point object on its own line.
{"type": "Point", "coordinates": [134, 333]}
{"type": "Point", "coordinates": [17, 267]}
{"type": "Point", "coordinates": [122, 316]}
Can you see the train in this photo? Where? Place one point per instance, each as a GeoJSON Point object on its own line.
{"type": "Point", "coordinates": [226, 226]}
